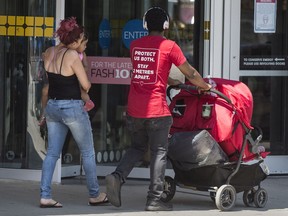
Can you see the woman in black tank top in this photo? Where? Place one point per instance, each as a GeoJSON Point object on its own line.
{"type": "Point", "coordinates": [64, 111]}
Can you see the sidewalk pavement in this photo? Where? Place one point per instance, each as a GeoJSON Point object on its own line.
{"type": "Point", "coordinates": [22, 198]}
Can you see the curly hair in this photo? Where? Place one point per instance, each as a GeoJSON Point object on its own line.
{"type": "Point", "coordinates": [69, 31]}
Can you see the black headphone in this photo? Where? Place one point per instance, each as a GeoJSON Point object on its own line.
{"type": "Point", "coordinates": [165, 24]}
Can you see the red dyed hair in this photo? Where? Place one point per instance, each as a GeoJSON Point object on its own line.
{"type": "Point", "coordinates": [69, 31]}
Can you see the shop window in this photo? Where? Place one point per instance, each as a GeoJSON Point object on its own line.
{"type": "Point", "coordinates": [25, 32]}
{"type": "Point", "coordinates": [108, 117]}
{"type": "Point", "coordinates": [263, 52]}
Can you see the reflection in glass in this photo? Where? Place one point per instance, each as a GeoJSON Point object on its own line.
{"type": "Point", "coordinates": [111, 136]}
{"type": "Point", "coordinates": [269, 113]}
{"type": "Point", "coordinates": [20, 58]}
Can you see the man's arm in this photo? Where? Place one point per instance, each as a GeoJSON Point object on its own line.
{"type": "Point", "coordinates": [173, 82]}
{"type": "Point", "coordinates": [193, 76]}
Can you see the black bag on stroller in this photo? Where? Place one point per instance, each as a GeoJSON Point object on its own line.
{"type": "Point", "coordinates": [194, 149]}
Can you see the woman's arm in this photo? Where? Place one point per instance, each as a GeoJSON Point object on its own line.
{"type": "Point", "coordinates": [78, 69]}
{"type": "Point", "coordinates": [85, 62]}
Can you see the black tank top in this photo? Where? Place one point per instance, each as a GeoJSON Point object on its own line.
{"type": "Point", "coordinates": [63, 87]}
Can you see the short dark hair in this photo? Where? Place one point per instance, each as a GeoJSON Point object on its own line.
{"type": "Point", "coordinates": [155, 18]}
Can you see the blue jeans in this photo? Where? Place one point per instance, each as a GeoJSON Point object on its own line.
{"type": "Point", "coordinates": [61, 116]}
{"type": "Point", "coordinates": [146, 132]}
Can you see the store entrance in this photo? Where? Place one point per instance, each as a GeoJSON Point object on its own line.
{"type": "Point", "coordinates": [111, 137]}
{"type": "Point", "coordinates": [263, 66]}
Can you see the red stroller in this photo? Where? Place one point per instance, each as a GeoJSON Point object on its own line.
{"type": "Point", "coordinates": [211, 138]}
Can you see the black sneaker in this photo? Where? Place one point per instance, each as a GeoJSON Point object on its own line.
{"type": "Point", "coordinates": [113, 189]}
{"type": "Point", "coordinates": [158, 205]}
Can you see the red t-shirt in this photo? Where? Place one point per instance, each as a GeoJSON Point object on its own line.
{"type": "Point", "coordinates": [152, 58]}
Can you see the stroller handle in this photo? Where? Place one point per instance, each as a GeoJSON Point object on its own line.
{"type": "Point", "coordinates": [194, 88]}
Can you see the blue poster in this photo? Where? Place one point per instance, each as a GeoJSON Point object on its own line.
{"type": "Point", "coordinates": [104, 34]}
{"type": "Point", "coordinates": [133, 30]}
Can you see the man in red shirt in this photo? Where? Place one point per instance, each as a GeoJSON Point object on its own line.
{"type": "Point", "coordinates": [148, 116]}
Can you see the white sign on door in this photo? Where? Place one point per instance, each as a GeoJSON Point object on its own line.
{"type": "Point", "coordinates": [265, 16]}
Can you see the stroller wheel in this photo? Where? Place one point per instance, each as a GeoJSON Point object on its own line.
{"type": "Point", "coordinates": [225, 197]}
{"type": "Point", "coordinates": [169, 189]}
{"type": "Point", "coordinates": [248, 197]}
{"type": "Point", "coordinates": [260, 198]}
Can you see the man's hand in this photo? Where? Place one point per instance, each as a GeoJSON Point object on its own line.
{"type": "Point", "coordinates": [203, 90]}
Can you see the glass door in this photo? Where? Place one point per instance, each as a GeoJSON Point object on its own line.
{"type": "Point", "coordinates": [261, 62]}
{"type": "Point", "coordinates": [26, 29]}
{"type": "Point", "coordinates": [111, 137]}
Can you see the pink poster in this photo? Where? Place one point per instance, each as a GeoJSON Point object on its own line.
{"type": "Point", "coordinates": [109, 70]}
{"type": "Point", "coordinates": [266, 1]}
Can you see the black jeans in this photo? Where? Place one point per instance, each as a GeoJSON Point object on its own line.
{"type": "Point", "coordinates": [146, 132]}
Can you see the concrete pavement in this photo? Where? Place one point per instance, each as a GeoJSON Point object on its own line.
{"type": "Point", "coordinates": [22, 198]}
